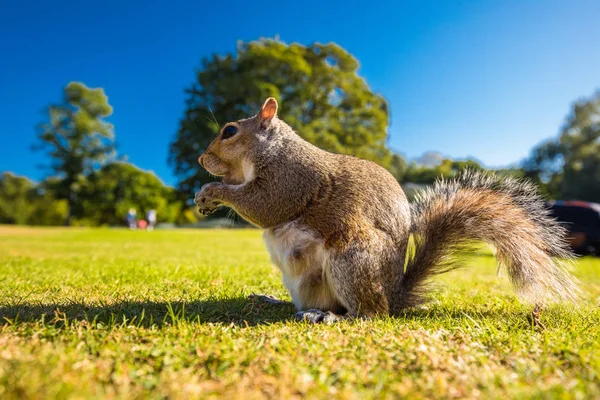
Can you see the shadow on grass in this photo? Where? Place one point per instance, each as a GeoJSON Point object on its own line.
{"type": "Point", "coordinates": [239, 311]}
{"type": "Point", "coordinates": [505, 318]}
{"type": "Point", "coordinates": [471, 314]}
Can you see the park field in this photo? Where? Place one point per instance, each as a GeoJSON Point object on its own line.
{"type": "Point", "coordinates": [108, 313]}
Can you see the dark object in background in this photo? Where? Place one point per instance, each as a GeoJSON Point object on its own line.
{"type": "Point", "coordinates": [582, 219]}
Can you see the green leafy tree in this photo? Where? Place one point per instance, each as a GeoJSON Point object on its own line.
{"type": "Point", "coordinates": [48, 209]}
{"type": "Point", "coordinates": [77, 139]}
{"type": "Point", "coordinates": [398, 167]}
{"type": "Point", "coordinates": [109, 192]}
{"type": "Point", "coordinates": [321, 95]}
{"type": "Point", "coordinates": [24, 203]}
{"type": "Point", "coordinates": [569, 166]}
{"type": "Point", "coordinates": [446, 169]}
{"type": "Point", "coordinates": [16, 204]}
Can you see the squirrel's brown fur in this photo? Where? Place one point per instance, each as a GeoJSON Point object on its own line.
{"type": "Point", "coordinates": [338, 227]}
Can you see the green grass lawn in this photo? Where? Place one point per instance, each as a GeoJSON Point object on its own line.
{"type": "Point", "coordinates": [120, 314]}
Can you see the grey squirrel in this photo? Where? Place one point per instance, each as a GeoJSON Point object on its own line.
{"type": "Point", "coordinates": [338, 227]}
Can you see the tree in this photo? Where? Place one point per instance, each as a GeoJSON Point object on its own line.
{"type": "Point", "coordinates": [109, 192]}
{"type": "Point", "coordinates": [321, 95]}
{"type": "Point", "coordinates": [24, 203]}
{"type": "Point", "coordinates": [16, 206]}
{"type": "Point", "coordinates": [77, 139]}
{"type": "Point", "coordinates": [569, 166]}
{"type": "Point", "coordinates": [544, 167]}
{"type": "Point", "coordinates": [48, 209]}
{"type": "Point", "coordinates": [398, 167]}
{"type": "Point", "coordinates": [447, 168]}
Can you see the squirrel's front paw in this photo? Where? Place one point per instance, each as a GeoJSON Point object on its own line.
{"type": "Point", "coordinates": [206, 198]}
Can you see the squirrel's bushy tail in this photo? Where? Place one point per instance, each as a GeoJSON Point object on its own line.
{"type": "Point", "coordinates": [507, 213]}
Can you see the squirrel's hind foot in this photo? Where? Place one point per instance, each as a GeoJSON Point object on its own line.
{"type": "Point", "coordinates": [315, 316]}
{"type": "Point", "coordinates": [264, 298]}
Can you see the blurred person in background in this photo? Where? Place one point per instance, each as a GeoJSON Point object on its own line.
{"type": "Point", "coordinates": [131, 218]}
{"type": "Point", "coordinates": [151, 218]}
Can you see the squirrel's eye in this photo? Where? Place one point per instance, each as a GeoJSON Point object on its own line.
{"type": "Point", "coordinates": [228, 132]}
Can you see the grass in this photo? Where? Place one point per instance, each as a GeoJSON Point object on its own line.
{"type": "Point", "coordinates": [117, 314]}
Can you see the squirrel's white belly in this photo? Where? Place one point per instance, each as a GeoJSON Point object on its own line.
{"type": "Point", "coordinates": [303, 260]}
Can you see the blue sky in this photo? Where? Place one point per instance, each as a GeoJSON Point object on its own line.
{"type": "Point", "coordinates": [487, 79]}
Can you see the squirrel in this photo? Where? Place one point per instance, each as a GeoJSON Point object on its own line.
{"type": "Point", "coordinates": [338, 227]}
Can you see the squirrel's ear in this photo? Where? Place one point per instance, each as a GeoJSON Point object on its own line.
{"type": "Point", "coordinates": [267, 112]}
